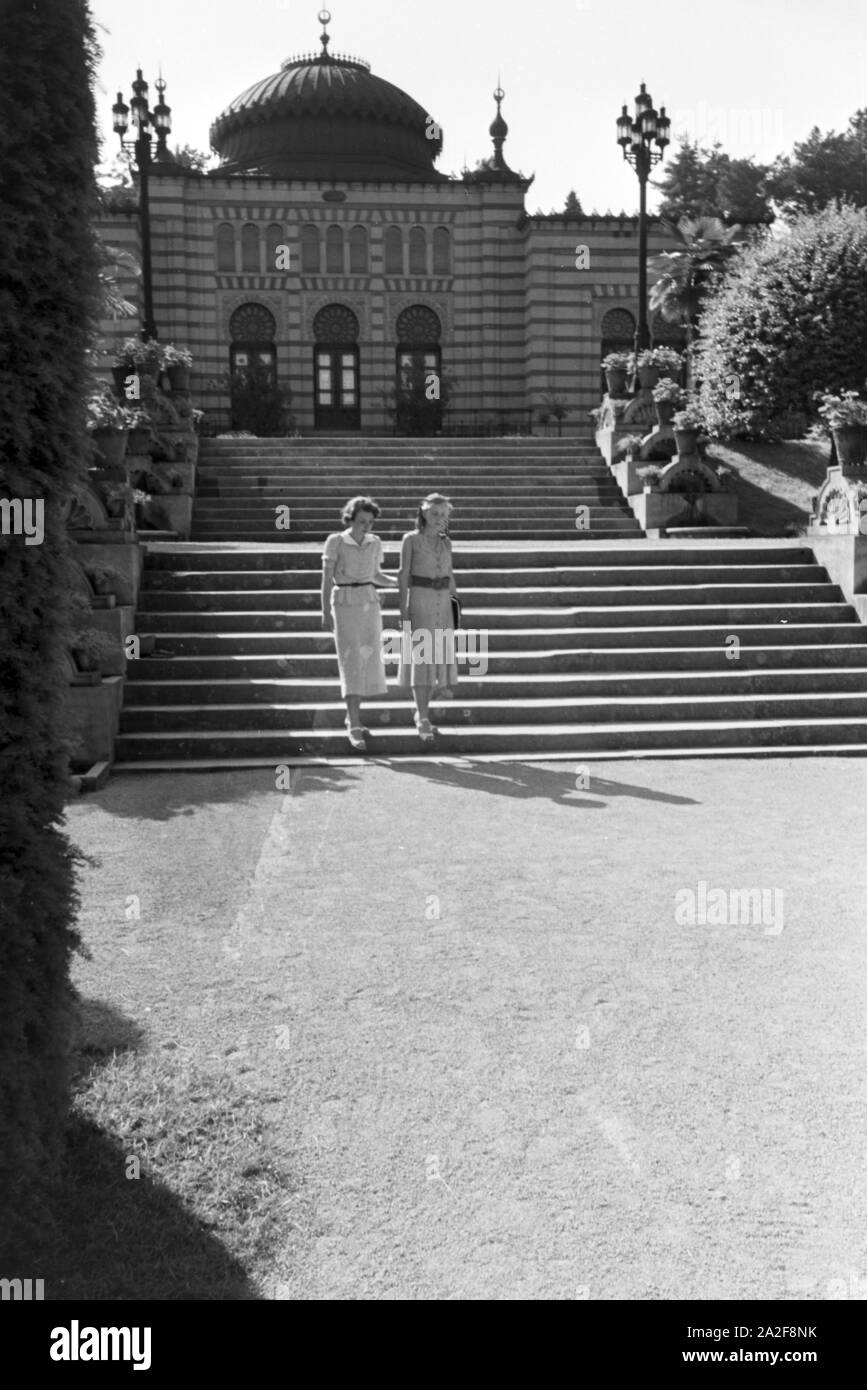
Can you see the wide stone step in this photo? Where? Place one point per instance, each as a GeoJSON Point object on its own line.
{"type": "Point", "coordinates": [294, 641]}
{"type": "Point", "coordinates": [464, 711]}
{"type": "Point", "coordinates": [469, 740]}
{"type": "Point", "coordinates": [508, 687]}
{"type": "Point", "coordinates": [218, 582]}
{"type": "Point", "coordinates": [711, 656]}
{"type": "Point", "coordinates": [292, 601]}
{"type": "Point", "coordinates": [189, 556]}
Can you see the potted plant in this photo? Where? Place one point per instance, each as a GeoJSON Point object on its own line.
{"type": "Point", "coordinates": [650, 474]}
{"type": "Point", "coordinates": [139, 425]}
{"type": "Point", "coordinates": [107, 423]}
{"type": "Point", "coordinates": [668, 360]}
{"type": "Point", "coordinates": [142, 358]}
{"type": "Point", "coordinates": [667, 397]}
{"type": "Point", "coordinates": [687, 425]}
{"type": "Point", "coordinates": [629, 446]}
{"type": "Point", "coordinates": [177, 362]}
{"type": "Point", "coordinates": [648, 369]}
{"type": "Point", "coordinates": [616, 367]}
{"type": "Point", "coordinates": [845, 415]}
{"type": "Point", "coordinates": [88, 646]}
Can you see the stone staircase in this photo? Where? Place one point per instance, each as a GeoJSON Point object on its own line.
{"type": "Point", "coordinates": [595, 648]}
{"type": "Point", "coordinates": [502, 489]}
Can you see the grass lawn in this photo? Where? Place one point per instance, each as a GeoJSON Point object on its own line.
{"type": "Point", "coordinates": [775, 483]}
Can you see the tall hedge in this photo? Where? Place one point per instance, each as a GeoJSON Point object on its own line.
{"type": "Point", "coordinates": [47, 312]}
{"type": "Point", "coordinates": [788, 318]}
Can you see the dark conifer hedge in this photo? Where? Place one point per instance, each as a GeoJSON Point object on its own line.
{"type": "Point", "coordinates": [47, 314]}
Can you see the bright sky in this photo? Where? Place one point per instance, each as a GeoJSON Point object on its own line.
{"type": "Point", "coordinates": [756, 74]}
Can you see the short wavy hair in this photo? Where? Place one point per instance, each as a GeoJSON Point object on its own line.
{"type": "Point", "coordinates": [359, 504]}
{"type": "Point", "coordinates": [433, 499]}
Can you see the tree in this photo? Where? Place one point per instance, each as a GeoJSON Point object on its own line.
{"type": "Point", "coordinates": [709, 183]}
{"type": "Point", "coordinates": [573, 206]}
{"type": "Point", "coordinates": [823, 169]}
{"type": "Point", "coordinates": [190, 158]}
{"type": "Point", "coordinates": [49, 302]}
{"type": "Point", "coordinates": [259, 404]}
{"type": "Point", "coordinates": [687, 275]}
{"type": "Point", "coordinates": [789, 317]}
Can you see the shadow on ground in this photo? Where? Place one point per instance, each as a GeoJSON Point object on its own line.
{"type": "Point", "coordinates": [110, 1234]}
{"type": "Point", "coordinates": [528, 780]}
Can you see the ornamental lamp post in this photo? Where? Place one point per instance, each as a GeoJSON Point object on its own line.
{"type": "Point", "coordinates": [144, 119]}
{"type": "Point", "coordinates": [637, 138]}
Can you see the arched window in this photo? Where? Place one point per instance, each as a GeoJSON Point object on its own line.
{"type": "Point", "coordinates": [394, 251]}
{"type": "Point", "coordinates": [250, 249]}
{"type": "Point", "coordinates": [417, 251]}
{"type": "Point", "coordinates": [418, 326]}
{"type": "Point", "coordinates": [273, 239]}
{"type": "Point", "coordinates": [310, 255]}
{"type": "Point", "coordinates": [618, 335]}
{"type": "Point", "coordinates": [358, 251]}
{"type": "Point", "coordinates": [442, 251]}
{"type": "Point", "coordinates": [252, 323]}
{"type": "Point", "coordinates": [334, 251]}
{"type": "Point", "coordinates": [226, 247]}
{"type": "Point", "coordinates": [335, 368]}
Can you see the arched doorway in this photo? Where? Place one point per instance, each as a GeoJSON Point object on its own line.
{"type": "Point", "coordinates": [337, 403]}
{"type": "Point", "coordinates": [252, 355]}
{"type": "Point", "coordinates": [618, 335]}
{"type": "Point", "coordinates": [419, 357]}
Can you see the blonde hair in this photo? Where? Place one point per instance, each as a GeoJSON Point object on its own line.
{"type": "Point", "coordinates": [433, 499]}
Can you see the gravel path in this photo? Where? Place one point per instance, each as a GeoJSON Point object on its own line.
{"type": "Point", "coordinates": [501, 1064]}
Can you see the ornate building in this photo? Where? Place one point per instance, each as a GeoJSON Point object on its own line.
{"type": "Point", "coordinates": [328, 247]}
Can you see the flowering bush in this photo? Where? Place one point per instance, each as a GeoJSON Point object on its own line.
{"type": "Point", "coordinates": [668, 390]}
{"type": "Point", "coordinates": [133, 352]}
{"type": "Point", "coordinates": [629, 444]}
{"type": "Point", "coordinates": [664, 358]}
{"type": "Point", "coordinates": [690, 418]}
{"type": "Point", "coordinates": [103, 411]}
{"type": "Point", "coordinates": [840, 411]}
{"type": "Point", "coordinates": [174, 356]}
{"type": "Point", "coordinates": [617, 361]}
{"type": "Point", "coordinates": [788, 316]}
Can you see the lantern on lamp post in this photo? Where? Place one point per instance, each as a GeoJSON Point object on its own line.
{"type": "Point", "coordinates": [643, 141]}
{"type": "Point", "coordinates": [144, 121]}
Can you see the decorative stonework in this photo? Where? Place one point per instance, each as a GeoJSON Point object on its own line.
{"type": "Point", "coordinates": [276, 304]}
{"type": "Point", "coordinates": [312, 304]}
{"type": "Point", "coordinates": [837, 505]}
{"type": "Point", "coordinates": [441, 306]}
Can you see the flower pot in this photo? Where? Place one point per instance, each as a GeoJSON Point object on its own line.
{"type": "Point", "coordinates": [665, 411]}
{"type": "Point", "coordinates": [111, 446]}
{"type": "Point", "coordinates": [851, 444]}
{"type": "Point", "coordinates": [615, 378]}
{"type": "Point", "coordinates": [648, 377]}
{"type": "Point", "coordinates": [179, 377]}
{"type": "Point", "coordinates": [686, 441]}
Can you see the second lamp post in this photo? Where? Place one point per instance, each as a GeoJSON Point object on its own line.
{"type": "Point", "coordinates": [637, 139]}
{"type": "Point", "coordinates": [160, 119]}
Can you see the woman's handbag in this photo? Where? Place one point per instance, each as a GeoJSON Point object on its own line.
{"type": "Point", "coordinates": [457, 610]}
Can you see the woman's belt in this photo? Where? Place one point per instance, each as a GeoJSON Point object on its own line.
{"type": "Point", "coordinates": [442, 582]}
{"type": "Point", "coordinates": [354, 584]}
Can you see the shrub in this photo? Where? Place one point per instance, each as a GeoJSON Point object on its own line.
{"type": "Point", "coordinates": [788, 317]}
{"type": "Point", "coordinates": [617, 361]}
{"type": "Point", "coordinates": [49, 304]}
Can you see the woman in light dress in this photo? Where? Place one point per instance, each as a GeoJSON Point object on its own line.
{"type": "Point", "coordinates": [351, 572]}
{"type": "Point", "coordinates": [426, 587]}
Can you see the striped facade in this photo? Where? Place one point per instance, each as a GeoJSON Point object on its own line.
{"type": "Point", "coordinates": [518, 319]}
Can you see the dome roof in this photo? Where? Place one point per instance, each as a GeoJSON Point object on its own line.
{"type": "Point", "coordinates": [327, 117]}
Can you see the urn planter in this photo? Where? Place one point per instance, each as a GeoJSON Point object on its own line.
{"type": "Point", "coordinates": [615, 378]}
{"type": "Point", "coordinates": [665, 411]}
{"type": "Point", "coordinates": [686, 441]}
{"type": "Point", "coordinates": [648, 377]}
{"type": "Point", "coordinates": [179, 377]}
{"type": "Point", "coordinates": [851, 444]}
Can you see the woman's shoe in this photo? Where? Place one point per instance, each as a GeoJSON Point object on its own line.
{"type": "Point", "coordinates": [356, 738]}
{"type": "Point", "coordinates": [424, 728]}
